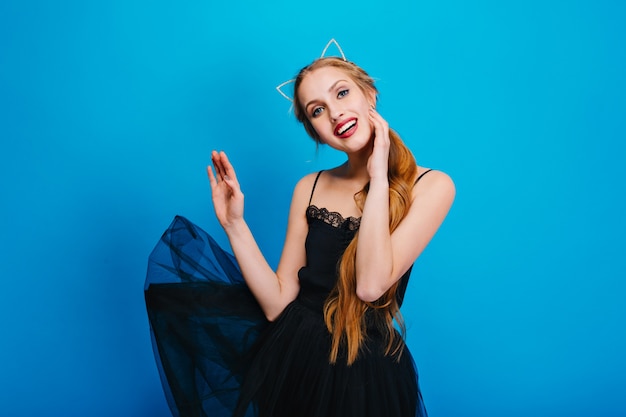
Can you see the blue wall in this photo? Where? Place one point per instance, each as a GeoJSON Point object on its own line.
{"type": "Point", "coordinates": [108, 112]}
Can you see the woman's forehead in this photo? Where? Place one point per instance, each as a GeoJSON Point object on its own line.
{"type": "Point", "coordinates": [321, 80]}
{"type": "Point", "coordinates": [322, 74]}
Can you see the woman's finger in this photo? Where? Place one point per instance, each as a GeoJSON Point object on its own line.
{"type": "Point", "coordinates": [212, 179]}
{"type": "Point", "coordinates": [380, 125]}
{"type": "Point", "coordinates": [217, 164]}
{"type": "Point", "coordinates": [229, 171]}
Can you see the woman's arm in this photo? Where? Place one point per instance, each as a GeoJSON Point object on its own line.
{"type": "Point", "coordinates": [383, 257]}
{"type": "Point", "coordinates": [374, 254]}
{"type": "Point", "coordinates": [273, 290]}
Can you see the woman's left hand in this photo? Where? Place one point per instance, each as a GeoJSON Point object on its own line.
{"type": "Point", "coordinates": [378, 163]}
{"type": "Point", "coordinates": [225, 190]}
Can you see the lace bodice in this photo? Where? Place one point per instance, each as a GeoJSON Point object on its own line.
{"type": "Point", "coordinates": [333, 218]}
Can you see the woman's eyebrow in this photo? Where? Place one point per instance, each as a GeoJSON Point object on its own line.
{"type": "Point", "coordinates": [329, 90]}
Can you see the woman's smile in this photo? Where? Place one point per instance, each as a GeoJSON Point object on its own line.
{"type": "Point", "coordinates": [346, 128]}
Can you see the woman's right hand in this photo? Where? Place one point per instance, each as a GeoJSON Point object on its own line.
{"type": "Point", "coordinates": [225, 191]}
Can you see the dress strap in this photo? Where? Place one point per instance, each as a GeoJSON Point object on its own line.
{"type": "Point", "coordinates": [314, 184]}
{"type": "Point", "coordinates": [421, 175]}
{"type": "Point", "coordinates": [320, 173]}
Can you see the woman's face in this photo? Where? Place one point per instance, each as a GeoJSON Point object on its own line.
{"type": "Point", "coordinates": [337, 108]}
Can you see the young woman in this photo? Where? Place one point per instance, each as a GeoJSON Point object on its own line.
{"type": "Point", "coordinates": [317, 337]}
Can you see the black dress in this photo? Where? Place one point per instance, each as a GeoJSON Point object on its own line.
{"type": "Point", "coordinates": [219, 356]}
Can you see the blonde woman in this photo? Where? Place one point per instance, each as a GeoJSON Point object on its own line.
{"type": "Point", "coordinates": [319, 338]}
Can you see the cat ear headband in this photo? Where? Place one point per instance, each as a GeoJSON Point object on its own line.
{"type": "Point", "coordinates": [282, 93]}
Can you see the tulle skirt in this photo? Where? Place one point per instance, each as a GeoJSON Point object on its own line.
{"type": "Point", "coordinates": [218, 356]}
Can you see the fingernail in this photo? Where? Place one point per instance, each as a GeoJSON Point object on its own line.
{"type": "Point", "coordinates": [226, 177]}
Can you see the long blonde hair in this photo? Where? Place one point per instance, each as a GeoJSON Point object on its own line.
{"type": "Point", "coordinates": [344, 312]}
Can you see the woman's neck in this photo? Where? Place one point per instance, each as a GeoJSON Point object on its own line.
{"type": "Point", "coordinates": [355, 168]}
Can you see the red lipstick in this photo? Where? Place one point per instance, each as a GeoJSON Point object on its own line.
{"type": "Point", "coordinates": [346, 128]}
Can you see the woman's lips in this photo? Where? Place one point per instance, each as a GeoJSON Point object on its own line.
{"type": "Point", "coordinates": [346, 128]}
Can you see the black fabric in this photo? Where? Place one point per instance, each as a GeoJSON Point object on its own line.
{"type": "Point", "coordinates": [218, 356]}
{"type": "Point", "coordinates": [203, 321]}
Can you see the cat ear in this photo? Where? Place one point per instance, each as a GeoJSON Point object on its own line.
{"type": "Point", "coordinates": [330, 42]}
{"type": "Point", "coordinates": [280, 87]}
{"type": "Point", "coordinates": [282, 93]}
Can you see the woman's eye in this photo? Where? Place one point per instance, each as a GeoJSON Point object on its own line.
{"type": "Point", "coordinates": [316, 111]}
{"type": "Point", "coordinates": [342, 93]}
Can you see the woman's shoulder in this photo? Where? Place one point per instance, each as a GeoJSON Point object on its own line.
{"type": "Point", "coordinates": [305, 185]}
{"type": "Point", "coordinates": [433, 180]}
{"type": "Point", "coordinates": [433, 174]}
{"type": "Point", "coordinates": [308, 180]}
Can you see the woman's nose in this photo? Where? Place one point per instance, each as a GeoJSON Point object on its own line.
{"type": "Point", "coordinates": [335, 113]}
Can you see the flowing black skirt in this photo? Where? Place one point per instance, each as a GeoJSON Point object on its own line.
{"type": "Point", "coordinates": [218, 356]}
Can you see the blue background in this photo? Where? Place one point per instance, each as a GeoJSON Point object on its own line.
{"type": "Point", "coordinates": [108, 112]}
